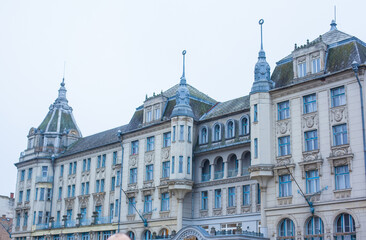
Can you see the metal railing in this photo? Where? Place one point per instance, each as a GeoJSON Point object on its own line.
{"type": "Point", "coordinates": [206, 177]}
{"type": "Point", "coordinates": [219, 174]}
{"type": "Point", "coordinates": [41, 179]}
{"type": "Point", "coordinates": [41, 226]}
{"type": "Point", "coordinates": [57, 225]}
{"type": "Point", "coordinates": [103, 220]}
{"type": "Point", "coordinates": [232, 173]}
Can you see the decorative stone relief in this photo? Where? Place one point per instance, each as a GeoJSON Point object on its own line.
{"type": "Point", "coordinates": [279, 171]}
{"type": "Point", "coordinates": [339, 194]}
{"type": "Point", "coordinates": [283, 127]}
{"type": "Point", "coordinates": [231, 210]}
{"type": "Point", "coordinates": [149, 157]}
{"type": "Point", "coordinates": [69, 202]}
{"type": "Point", "coordinates": [340, 151]}
{"type": "Point", "coordinates": [98, 198]}
{"type": "Point", "coordinates": [203, 213]}
{"type": "Point", "coordinates": [132, 187]}
{"type": "Point", "coordinates": [311, 156]}
{"type": "Point", "coordinates": [245, 209]}
{"type": "Point", "coordinates": [310, 121]}
{"type": "Point", "coordinates": [339, 156]}
{"type": "Point", "coordinates": [131, 217]}
{"type": "Point", "coordinates": [217, 211]}
{"type": "Point", "coordinates": [149, 184]}
{"type": "Point", "coordinates": [285, 200]}
{"type": "Point", "coordinates": [83, 200]}
{"type": "Point", "coordinates": [284, 160]}
{"type": "Point", "coordinates": [133, 161]}
{"type": "Point", "coordinates": [166, 153]}
{"type": "Point", "coordinates": [338, 114]}
{"type": "Point", "coordinates": [164, 214]}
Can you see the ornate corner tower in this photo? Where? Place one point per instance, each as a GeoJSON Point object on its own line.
{"type": "Point", "coordinates": [182, 119]}
{"type": "Point", "coordinates": [261, 115]}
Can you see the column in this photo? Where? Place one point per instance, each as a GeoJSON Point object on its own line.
{"type": "Point", "coordinates": [212, 166]}
{"type": "Point", "coordinates": [264, 228]}
{"type": "Point", "coordinates": [240, 165]}
{"type": "Point", "coordinates": [225, 169]}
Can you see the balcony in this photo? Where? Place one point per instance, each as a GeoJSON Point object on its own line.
{"type": "Point", "coordinates": [85, 222]}
{"type": "Point", "coordinates": [42, 226]}
{"type": "Point", "coordinates": [70, 223]}
{"type": "Point", "coordinates": [103, 220]}
{"type": "Point", "coordinates": [206, 177]}
{"type": "Point", "coordinates": [219, 174]}
{"type": "Point", "coordinates": [47, 179]}
{"type": "Point", "coordinates": [232, 173]}
{"type": "Point", "coordinates": [57, 225]}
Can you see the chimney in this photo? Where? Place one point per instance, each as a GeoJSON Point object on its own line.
{"type": "Point", "coordinates": [11, 195]}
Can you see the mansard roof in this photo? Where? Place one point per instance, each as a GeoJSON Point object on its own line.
{"type": "Point", "coordinates": [342, 50]}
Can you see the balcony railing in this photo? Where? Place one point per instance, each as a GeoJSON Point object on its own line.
{"type": "Point", "coordinates": [232, 173]}
{"type": "Point", "coordinates": [103, 220]}
{"type": "Point", "coordinates": [85, 222]}
{"type": "Point", "coordinates": [70, 223]}
{"type": "Point", "coordinates": [57, 225]}
{"type": "Point", "coordinates": [41, 226]}
{"type": "Point", "coordinates": [206, 177]}
{"type": "Point", "coordinates": [219, 174]}
{"type": "Point", "coordinates": [47, 179]}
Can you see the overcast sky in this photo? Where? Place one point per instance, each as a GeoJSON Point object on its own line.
{"type": "Point", "coordinates": [116, 52]}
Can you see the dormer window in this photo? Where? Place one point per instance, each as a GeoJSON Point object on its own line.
{"type": "Point", "coordinates": [148, 116]}
{"type": "Point", "coordinates": [301, 69]}
{"type": "Point", "coordinates": [315, 65]}
{"type": "Point", "coordinates": [157, 113]}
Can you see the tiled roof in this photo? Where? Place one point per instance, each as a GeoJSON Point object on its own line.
{"type": "Point", "coordinates": [192, 91]}
{"type": "Point", "coordinates": [95, 141]}
{"type": "Point", "coordinates": [231, 106]}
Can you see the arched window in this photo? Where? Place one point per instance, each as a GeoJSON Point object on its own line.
{"type": "Point", "coordinates": [147, 235]}
{"type": "Point", "coordinates": [219, 168]}
{"type": "Point", "coordinates": [286, 229]}
{"type": "Point", "coordinates": [217, 132]}
{"type": "Point", "coordinates": [245, 125]}
{"type": "Point", "coordinates": [314, 228]}
{"type": "Point", "coordinates": [206, 171]}
{"type": "Point", "coordinates": [131, 235]}
{"type": "Point", "coordinates": [233, 166]}
{"type": "Point", "coordinates": [230, 129]}
{"type": "Point", "coordinates": [246, 161]}
{"type": "Point", "coordinates": [345, 227]}
{"type": "Point", "coordinates": [164, 233]}
{"type": "Point", "coordinates": [204, 138]}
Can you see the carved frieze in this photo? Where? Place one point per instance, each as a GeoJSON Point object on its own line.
{"type": "Point", "coordinates": [284, 160]}
{"type": "Point", "coordinates": [131, 217]}
{"type": "Point", "coordinates": [283, 127]}
{"type": "Point", "coordinates": [342, 150]}
{"type": "Point", "coordinates": [311, 156]}
{"type": "Point", "coordinates": [148, 185]}
{"type": "Point", "coordinates": [339, 156]}
{"type": "Point", "coordinates": [338, 115]}
{"type": "Point", "coordinates": [245, 209]}
{"type": "Point", "coordinates": [132, 187]}
{"type": "Point", "coordinates": [223, 181]}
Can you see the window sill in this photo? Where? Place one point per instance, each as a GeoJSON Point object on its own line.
{"type": "Point", "coordinates": [342, 193]}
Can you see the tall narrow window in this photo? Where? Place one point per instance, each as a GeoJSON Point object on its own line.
{"type": "Point", "coordinates": [157, 113]}
{"type": "Point", "coordinates": [345, 227]}
{"type": "Point", "coordinates": [118, 174]}
{"type": "Point", "coordinates": [218, 198]}
{"type": "Point", "coordinates": [113, 183]}
{"type": "Point", "coordinates": [283, 110]}
{"type": "Point", "coordinates": [286, 229]}
{"type": "Point", "coordinates": [315, 65]}
{"type": "Point", "coordinates": [338, 96]}
{"type": "Point", "coordinates": [340, 135]}
{"type": "Point", "coordinates": [61, 170]}
{"type": "Point", "coordinates": [36, 195]}
{"type": "Point", "coordinates": [59, 193]}
{"type": "Point", "coordinates": [204, 200]}
{"type": "Point", "coordinates": [87, 188]}
{"type": "Point", "coordinates": [312, 181]}
{"type": "Point", "coordinates": [148, 116]}
{"type": "Point", "coordinates": [22, 175]}
{"type": "Point", "coordinates": [311, 140]}
{"type": "Point", "coordinates": [231, 197]}
{"type": "Point", "coordinates": [28, 195]}
{"type": "Point", "coordinates": [131, 205]}
{"type": "Point", "coordinates": [133, 175]}
{"type": "Point", "coordinates": [41, 195]}
{"type": "Point", "coordinates": [285, 185]}
{"type": "Point", "coordinates": [70, 168]}
{"type": "Point", "coordinates": [114, 161]}
{"type": "Point", "coordinates": [165, 201]}
{"type": "Point", "coordinates": [180, 164]}
{"type": "Point", "coordinates": [255, 113]}
{"type": "Point", "coordinates": [246, 195]}
{"type": "Point", "coordinates": [149, 172]}
{"type": "Point", "coordinates": [181, 133]}
{"type": "Point", "coordinates": [244, 126]}
{"type": "Point", "coordinates": [166, 169]}
{"type": "Point", "coordinates": [73, 190]}
{"type": "Point", "coordinates": [173, 163]}
{"type": "Point", "coordinates": [314, 229]}
{"type": "Point", "coordinates": [134, 147]}
{"type": "Point", "coordinates": [150, 144]}
{"type": "Point", "coordinates": [97, 186]}
{"type": "Point", "coordinates": [284, 146]}
{"type": "Point", "coordinates": [44, 171]}
{"type": "Point", "coordinates": [20, 198]}
{"type": "Point", "coordinates": [309, 103]}
{"type": "Point", "coordinates": [84, 165]}
{"type": "Point", "coordinates": [167, 139]}
{"type": "Point", "coordinates": [103, 160]}
{"type": "Point", "coordinates": [301, 69]}
{"type": "Point", "coordinates": [148, 204]}
{"type": "Point", "coordinates": [189, 134]}
{"type": "Point", "coordinates": [116, 210]}
{"type": "Point", "coordinates": [188, 165]}
{"type": "Point", "coordinates": [82, 188]}
{"type": "Point", "coordinates": [230, 129]}
{"type": "Point", "coordinates": [174, 133]}
{"type": "Point", "coordinates": [203, 135]}
{"type": "Point", "coordinates": [99, 161]}
{"type": "Point", "coordinates": [342, 177]}
{"type": "Point", "coordinates": [30, 171]}
{"type": "Point", "coordinates": [89, 162]}
{"type": "Point", "coordinates": [217, 132]}
{"type": "Point", "coordinates": [255, 147]}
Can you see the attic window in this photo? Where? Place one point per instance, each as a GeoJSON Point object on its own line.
{"type": "Point", "coordinates": [148, 116]}
{"type": "Point", "coordinates": [315, 65]}
{"type": "Point", "coordinates": [157, 113]}
{"type": "Point", "coordinates": [301, 72]}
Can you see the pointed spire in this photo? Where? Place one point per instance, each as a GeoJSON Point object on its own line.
{"type": "Point", "coordinates": [333, 24]}
{"type": "Point", "coordinates": [183, 78]}
{"type": "Point", "coordinates": [262, 79]}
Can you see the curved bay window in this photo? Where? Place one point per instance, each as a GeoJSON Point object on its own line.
{"type": "Point", "coordinates": [345, 227]}
{"type": "Point", "coordinates": [206, 171]}
{"type": "Point", "coordinates": [314, 229]}
{"type": "Point", "coordinates": [286, 230]}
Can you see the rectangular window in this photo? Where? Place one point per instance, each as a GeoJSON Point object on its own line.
{"type": "Point", "coordinates": [189, 134]}
{"type": "Point", "coordinates": [111, 210]}
{"type": "Point", "coordinates": [342, 177]}
{"type": "Point", "coordinates": [157, 113]}
{"type": "Point", "coordinates": [97, 186]}
{"type": "Point", "coordinates": [49, 194]}
{"type": "Point", "coordinates": [312, 181]}
{"type": "Point", "coordinates": [82, 188]}
{"type": "Point", "coordinates": [134, 147]}
{"type": "Point", "coordinates": [99, 161]}
{"type": "Point", "coordinates": [246, 195]}
{"type": "Point", "coordinates": [18, 220]}
{"type": "Point", "coordinates": [20, 199]}
{"type": "Point", "coordinates": [89, 162]}
{"type": "Point", "coordinates": [148, 116]}
{"type": "Point", "coordinates": [309, 103]}
{"type": "Point", "coordinates": [284, 146]}
{"type": "Point", "coordinates": [258, 194]}
{"type": "Point", "coordinates": [173, 133]}
{"type": "Point", "coordinates": [133, 175]}
{"type": "Point", "coordinates": [22, 175]}
{"type": "Point", "coordinates": [36, 195]}
{"type": "Point", "coordinates": [338, 96]}
{"type": "Point", "coordinates": [75, 164]}
{"type": "Point", "coordinates": [311, 140]}
{"type": "Point", "coordinates": [188, 165]}
{"type": "Point", "coordinates": [255, 147]}
{"type": "Point", "coordinates": [166, 137]}
{"type": "Point", "coordinates": [73, 190]}
{"type": "Point", "coordinates": [58, 217]}
{"type": "Point", "coordinates": [84, 165]}
{"type": "Point", "coordinates": [59, 193]}
{"type": "Point", "coordinates": [114, 161]}
{"type": "Point", "coordinates": [301, 69]}
{"type": "Point", "coordinates": [69, 191]}
{"type": "Point", "coordinates": [34, 217]}
{"type": "Point", "coordinates": [25, 223]}
{"type": "Point", "coordinates": [165, 202]}
{"type": "Point", "coordinates": [149, 172]}
{"type": "Point", "coordinates": [113, 183]}
{"type": "Point", "coordinates": [181, 133]}
{"type": "Point", "coordinates": [180, 164]}
{"type": "Point", "coordinates": [173, 164]}
{"type": "Point", "coordinates": [83, 214]}
{"type": "Point", "coordinates": [204, 200]}
{"type": "Point", "coordinates": [40, 216]}
{"type": "Point", "coordinates": [27, 198]}
{"type": "Point", "coordinates": [41, 195]}
{"type": "Point", "coordinates": [131, 205]}
{"type": "Point", "coordinates": [231, 197]}
{"type": "Point", "coordinates": [150, 144]}
{"type": "Point", "coordinates": [62, 171]}
{"type": "Point", "coordinates": [30, 171]}
{"type": "Point", "coordinates": [118, 174]}
{"type": "Point", "coordinates": [255, 117]}
{"type": "Point", "coordinates": [102, 185]}
{"type": "Point", "coordinates": [218, 198]}
{"type": "Point", "coordinates": [315, 65]}
{"type": "Point", "coordinates": [166, 169]}
{"type": "Point", "coordinates": [104, 157]}
{"type": "Point", "coordinates": [283, 110]}
{"type": "Point", "coordinates": [340, 135]}
{"type": "Point", "coordinates": [87, 188]}
{"type": "Point", "coordinates": [148, 204]}
{"type": "Point", "coordinates": [44, 171]}
{"type": "Point", "coordinates": [70, 168]}
{"type": "Point", "coordinates": [69, 215]}
{"type": "Point", "coordinates": [116, 210]}
{"type": "Point", "coordinates": [285, 185]}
